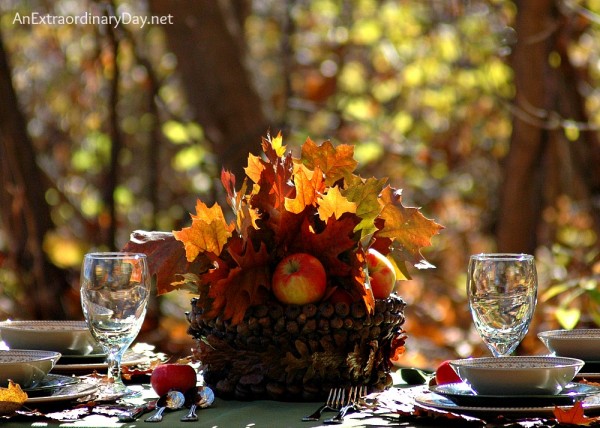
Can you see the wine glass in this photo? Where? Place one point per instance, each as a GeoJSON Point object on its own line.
{"type": "Point", "coordinates": [115, 287]}
{"type": "Point", "coordinates": [502, 290]}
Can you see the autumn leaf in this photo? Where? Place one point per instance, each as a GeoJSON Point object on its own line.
{"type": "Point", "coordinates": [308, 184]}
{"type": "Point", "coordinates": [365, 194]}
{"type": "Point", "coordinates": [209, 232]}
{"type": "Point", "coordinates": [329, 244]}
{"type": "Point", "coordinates": [246, 284]}
{"type": "Point", "coordinates": [334, 204]}
{"type": "Point", "coordinates": [11, 398]}
{"type": "Point", "coordinates": [273, 147]}
{"type": "Point", "coordinates": [335, 162]}
{"type": "Point", "coordinates": [408, 229]}
{"type": "Point", "coordinates": [573, 415]}
{"type": "Point", "coordinates": [166, 258]}
{"type": "Point", "coordinates": [255, 168]}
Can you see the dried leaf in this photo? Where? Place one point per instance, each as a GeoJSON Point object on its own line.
{"type": "Point", "coordinates": [329, 244]}
{"type": "Point", "coordinates": [334, 204]}
{"type": "Point", "coordinates": [11, 398]}
{"type": "Point", "coordinates": [209, 232]}
{"type": "Point", "coordinates": [255, 168]}
{"type": "Point", "coordinates": [407, 227]}
{"type": "Point", "coordinates": [234, 290]}
{"type": "Point", "coordinates": [309, 184]}
{"type": "Point", "coordinates": [166, 258]}
{"type": "Point", "coordinates": [573, 415]}
{"type": "Point", "coordinates": [335, 162]}
{"type": "Point", "coordinates": [365, 193]}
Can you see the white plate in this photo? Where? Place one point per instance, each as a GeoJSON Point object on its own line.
{"type": "Point", "coordinates": [435, 401]}
{"type": "Point", "coordinates": [52, 381]}
{"type": "Point", "coordinates": [66, 337]}
{"type": "Point", "coordinates": [517, 375]}
{"type": "Point", "coordinates": [70, 392]}
{"type": "Point", "coordinates": [129, 359]}
{"type": "Point", "coordinates": [582, 343]}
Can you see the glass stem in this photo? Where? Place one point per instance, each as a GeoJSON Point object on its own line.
{"type": "Point", "coordinates": [113, 361]}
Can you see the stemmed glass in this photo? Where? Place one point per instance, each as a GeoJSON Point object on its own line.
{"type": "Point", "coordinates": [114, 294]}
{"type": "Point", "coordinates": [502, 290]}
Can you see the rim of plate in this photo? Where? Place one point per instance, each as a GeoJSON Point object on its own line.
{"type": "Point", "coordinates": [67, 326]}
{"type": "Point", "coordinates": [579, 333]}
{"type": "Point", "coordinates": [517, 362]}
{"type": "Point", "coordinates": [26, 355]}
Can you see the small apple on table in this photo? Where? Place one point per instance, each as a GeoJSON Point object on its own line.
{"type": "Point", "coordinates": [172, 376]}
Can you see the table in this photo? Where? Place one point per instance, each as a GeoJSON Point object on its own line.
{"type": "Point", "coordinates": [264, 413]}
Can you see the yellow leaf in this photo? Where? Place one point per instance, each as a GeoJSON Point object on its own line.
{"type": "Point", "coordinates": [277, 144]}
{"type": "Point", "coordinates": [333, 203]}
{"type": "Point", "coordinates": [209, 232]}
{"type": "Point", "coordinates": [11, 398]}
{"type": "Point", "coordinates": [309, 184]}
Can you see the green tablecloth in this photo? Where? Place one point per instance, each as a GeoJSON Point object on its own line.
{"type": "Point", "coordinates": [223, 413]}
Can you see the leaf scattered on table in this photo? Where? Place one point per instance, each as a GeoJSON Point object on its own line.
{"type": "Point", "coordinates": [574, 416]}
{"type": "Point", "coordinates": [11, 398]}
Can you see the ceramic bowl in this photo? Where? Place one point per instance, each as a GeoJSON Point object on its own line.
{"type": "Point", "coordinates": [26, 367]}
{"type": "Point", "coordinates": [578, 343]}
{"type": "Point", "coordinates": [66, 337]}
{"type": "Point", "coordinates": [517, 375]}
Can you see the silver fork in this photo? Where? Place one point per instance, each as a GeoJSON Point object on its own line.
{"type": "Point", "coordinates": [354, 395]}
{"type": "Point", "coordinates": [334, 401]}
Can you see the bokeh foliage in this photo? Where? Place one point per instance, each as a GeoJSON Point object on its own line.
{"type": "Point", "coordinates": [422, 89]}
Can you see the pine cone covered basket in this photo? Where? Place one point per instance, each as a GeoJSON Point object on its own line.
{"type": "Point", "coordinates": [298, 352]}
{"type": "Point", "coordinates": [252, 343]}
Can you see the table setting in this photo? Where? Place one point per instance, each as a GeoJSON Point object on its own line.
{"type": "Point", "coordinates": [297, 320]}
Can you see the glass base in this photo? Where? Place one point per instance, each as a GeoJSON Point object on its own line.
{"type": "Point", "coordinates": [109, 391]}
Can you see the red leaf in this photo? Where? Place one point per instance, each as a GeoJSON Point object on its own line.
{"type": "Point", "coordinates": [572, 415]}
{"type": "Point", "coordinates": [234, 290]}
{"type": "Point", "coordinates": [166, 257]}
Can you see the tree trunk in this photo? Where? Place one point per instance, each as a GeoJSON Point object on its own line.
{"type": "Point", "coordinates": [207, 38]}
{"type": "Point", "coordinates": [24, 212]}
{"type": "Point", "coordinates": [542, 163]}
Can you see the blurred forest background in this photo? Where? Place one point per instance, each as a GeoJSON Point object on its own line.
{"type": "Point", "coordinates": [485, 112]}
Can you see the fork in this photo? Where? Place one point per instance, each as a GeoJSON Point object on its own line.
{"type": "Point", "coordinates": [334, 401]}
{"type": "Point", "coordinates": [354, 395]}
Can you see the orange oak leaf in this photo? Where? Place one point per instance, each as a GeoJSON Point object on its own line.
{"type": "Point", "coordinates": [208, 233]}
{"type": "Point", "coordinates": [335, 162]}
{"type": "Point", "coordinates": [408, 229]}
{"type": "Point", "coordinates": [255, 167]}
{"type": "Point", "coordinates": [573, 415]}
{"type": "Point", "coordinates": [334, 204]}
{"type": "Point", "coordinates": [309, 184]}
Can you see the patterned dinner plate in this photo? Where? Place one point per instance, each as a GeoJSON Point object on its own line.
{"type": "Point", "coordinates": [88, 365]}
{"type": "Point", "coordinates": [461, 394]}
{"type": "Point", "coordinates": [432, 400]}
{"type": "Point", "coordinates": [69, 392]}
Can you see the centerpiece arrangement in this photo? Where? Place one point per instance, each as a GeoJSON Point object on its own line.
{"type": "Point", "coordinates": [294, 293]}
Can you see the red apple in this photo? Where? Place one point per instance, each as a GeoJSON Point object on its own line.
{"type": "Point", "coordinates": [299, 279]}
{"type": "Point", "coordinates": [382, 274]}
{"type": "Point", "coordinates": [341, 296]}
{"type": "Point", "coordinates": [179, 377]}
